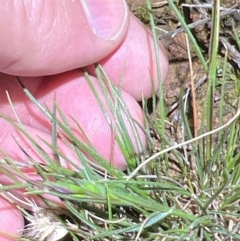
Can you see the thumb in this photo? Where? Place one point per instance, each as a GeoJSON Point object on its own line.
{"type": "Point", "coordinates": [47, 37]}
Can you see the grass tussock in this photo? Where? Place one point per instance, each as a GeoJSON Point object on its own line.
{"type": "Point", "coordinates": [184, 188]}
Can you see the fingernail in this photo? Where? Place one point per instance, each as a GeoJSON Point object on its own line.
{"type": "Point", "coordinates": [107, 18]}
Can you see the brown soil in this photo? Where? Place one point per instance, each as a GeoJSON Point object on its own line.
{"type": "Point", "coordinates": [179, 76]}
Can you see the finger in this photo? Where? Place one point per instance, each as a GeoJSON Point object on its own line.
{"type": "Point", "coordinates": [47, 37]}
{"type": "Point", "coordinates": [133, 64]}
{"type": "Point", "coordinates": [11, 220]}
{"type": "Point", "coordinates": [25, 149]}
{"type": "Point", "coordinates": [78, 102]}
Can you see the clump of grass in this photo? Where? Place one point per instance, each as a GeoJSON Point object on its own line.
{"type": "Point", "coordinates": [186, 191]}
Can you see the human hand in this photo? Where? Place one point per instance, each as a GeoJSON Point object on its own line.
{"type": "Point", "coordinates": [51, 37]}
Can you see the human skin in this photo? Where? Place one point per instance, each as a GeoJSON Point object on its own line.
{"type": "Point", "coordinates": [129, 51]}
